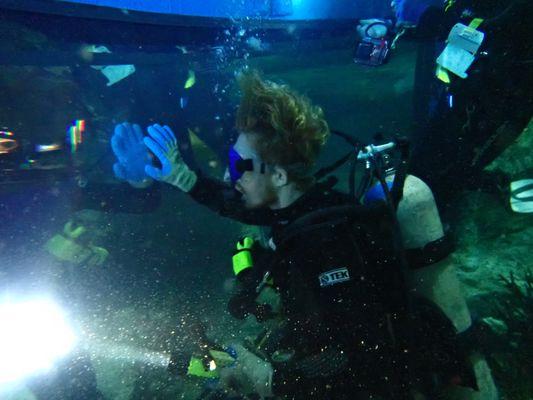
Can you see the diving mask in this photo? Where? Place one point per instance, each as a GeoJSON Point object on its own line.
{"type": "Point", "coordinates": [238, 165]}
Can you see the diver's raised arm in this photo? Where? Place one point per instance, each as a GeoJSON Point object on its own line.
{"type": "Point", "coordinates": [216, 195]}
{"type": "Point", "coordinates": [223, 199]}
{"type": "Point", "coordinates": [135, 166]}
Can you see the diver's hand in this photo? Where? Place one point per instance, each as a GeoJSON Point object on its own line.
{"type": "Point", "coordinates": [162, 142]}
{"type": "Point", "coordinates": [249, 374]}
{"type": "Point", "coordinates": [132, 156]}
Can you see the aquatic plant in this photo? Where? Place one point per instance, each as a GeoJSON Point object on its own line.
{"type": "Point", "coordinates": [513, 367]}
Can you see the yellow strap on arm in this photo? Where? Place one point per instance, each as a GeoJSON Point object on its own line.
{"type": "Point", "coordinates": [243, 258]}
{"type": "Point", "coordinates": [241, 261]}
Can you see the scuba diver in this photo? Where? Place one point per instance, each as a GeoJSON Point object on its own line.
{"type": "Point", "coordinates": [350, 328]}
{"type": "Point", "coordinates": [471, 96]}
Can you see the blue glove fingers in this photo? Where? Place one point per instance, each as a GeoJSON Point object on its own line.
{"type": "Point", "coordinates": [119, 171]}
{"type": "Point", "coordinates": [157, 133]}
{"type": "Point", "coordinates": [118, 144]}
{"type": "Point", "coordinates": [130, 151]}
{"type": "Point", "coordinates": [164, 134]}
{"type": "Point", "coordinates": [153, 172]}
{"type": "Point", "coordinates": [157, 150]}
{"type": "Point", "coordinates": [170, 135]}
{"type": "Point", "coordinates": [129, 135]}
{"type": "Point", "coordinates": [137, 133]}
{"type": "Point", "coordinates": [168, 138]}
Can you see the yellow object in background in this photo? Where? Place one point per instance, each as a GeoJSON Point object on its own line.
{"type": "Point", "coordinates": [449, 4]}
{"type": "Point", "coordinates": [203, 153]}
{"type": "Point", "coordinates": [65, 247]}
{"type": "Point", "coordinates": [191, 80]}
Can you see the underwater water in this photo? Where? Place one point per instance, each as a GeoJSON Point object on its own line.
{"type": "Point", "coordinates": [115, 282]}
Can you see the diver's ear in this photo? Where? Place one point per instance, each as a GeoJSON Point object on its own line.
{"type": "Point", "coordinates": [280, 177]}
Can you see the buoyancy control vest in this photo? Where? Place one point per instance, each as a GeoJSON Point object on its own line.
{"type": "Point", "coordinates": [416, 324]}
{"type": "Point", "coordinates": [419, 338]}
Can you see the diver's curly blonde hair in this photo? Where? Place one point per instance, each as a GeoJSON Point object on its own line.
{"type": "Point", "coordinates": [290, 130]}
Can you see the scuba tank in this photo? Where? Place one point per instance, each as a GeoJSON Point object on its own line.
{"type": "Point", "coordinates": [423, 250]}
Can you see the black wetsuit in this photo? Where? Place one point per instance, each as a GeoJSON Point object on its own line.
{"type": "Point", "coordinates": [333, 289]}
{"type": "Point", "coordinates": [462, 127]}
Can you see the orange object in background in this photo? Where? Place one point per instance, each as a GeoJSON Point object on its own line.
{"type": "Point", "coordinates": [7, 143]}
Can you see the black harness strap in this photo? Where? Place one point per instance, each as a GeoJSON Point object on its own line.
{"type": "Point", "coordinates": [431, 253]}
{"type": "Point", "coordinates": [330, 168]}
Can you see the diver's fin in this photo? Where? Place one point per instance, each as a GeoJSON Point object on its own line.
{"type": "Point", "coordinates": [522, 196]}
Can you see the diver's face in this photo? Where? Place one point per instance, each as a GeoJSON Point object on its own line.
{"type": "Point", "coordinates": [256, 186]}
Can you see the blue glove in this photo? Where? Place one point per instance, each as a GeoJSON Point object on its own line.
{"type": "Point", "coordinates": [131, 153]}
{"type": "Point", "coordinates": [163, 143]}
{"type": "Point", "coordinates": [408, 12]}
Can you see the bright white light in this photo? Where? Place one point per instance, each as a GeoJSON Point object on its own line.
{"type": "Point", "coordinates": [33, 334]}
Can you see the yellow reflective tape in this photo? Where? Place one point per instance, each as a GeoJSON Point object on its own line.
{"type": "Point", "coordinates": [442, 74]}
{"type": "Point", "coordinates": [245, 243]}
{"type": "Point", "coordinates": [474, 24]}
{"type": "Point", "coordinates": [241, 261]}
